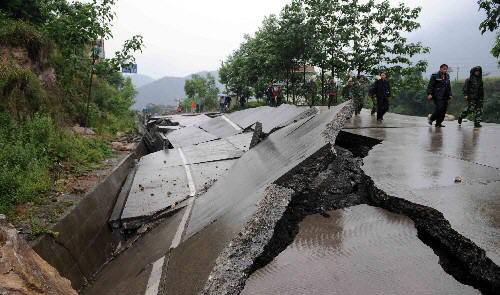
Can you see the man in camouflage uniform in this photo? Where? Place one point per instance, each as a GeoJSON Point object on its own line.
{"type": "Point", "coordinates": [474, 95]}
{"type": "Point", "coordinates": [358, 94]}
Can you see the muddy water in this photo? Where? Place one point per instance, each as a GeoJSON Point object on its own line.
{"type": "Point", "coordinates": [359, 250]}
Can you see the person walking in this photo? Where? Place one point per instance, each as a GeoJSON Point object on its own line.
{"type": "Point", "coordinates": [439, 91]}
{"type": "Point", "coordinates": [474, 95]}
{"type": "Point", "coordinates": [222, 103]}
{"type": "Point", "coordinates": [332, 93]}
{"type": "Point", "coordinates": [347, 90]}
{"type": "Point", "coordinates": [373, 97]}
{"type": "Point", "coordinates": [382, 91]}
{"type": "Point", "coordinates": [269, 95]}
{"type": "Point", "coordinates": [358, 94]}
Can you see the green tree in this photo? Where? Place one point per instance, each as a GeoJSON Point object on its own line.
{"type": "Point", "coordinates": [203, 90]}
{"type": "Point", "coordinates": [492, 22]}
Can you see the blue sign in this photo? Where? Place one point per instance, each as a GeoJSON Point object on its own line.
{"type": "Point", "coordinates": [129, 69]}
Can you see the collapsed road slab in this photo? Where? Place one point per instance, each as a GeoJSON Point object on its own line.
{"type": "Point", "coordinates": [189, 136]}
{"type": "Point", "coordinates": [221, 126]}
{"type": "Point", "coordinates": [220, 214]}
{"type": "Point", "coordinates": [189, 120]}
{"type": "Point", "coordinates": [271, 118]}
{"type": "Point", "coordinates": [161, 180]}
{"type": "Point", "coordinates": [241, 141]}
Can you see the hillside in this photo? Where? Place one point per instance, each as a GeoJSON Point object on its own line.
{"type": "Point", "coordinates": [165, 91]}
{"type": "Point", "coordinates": [140, 80]}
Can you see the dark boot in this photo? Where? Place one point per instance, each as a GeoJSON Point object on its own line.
{"type": "Point", "coordinates": [477, 125]}
{"type": "Point", "coordinates": [459, 120]}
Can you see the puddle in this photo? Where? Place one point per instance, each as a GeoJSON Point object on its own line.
{"type": "Point", "coordinates": [359, 250]}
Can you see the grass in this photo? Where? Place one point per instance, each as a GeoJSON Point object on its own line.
{"type": "Point", "coordinates": [33, 154]}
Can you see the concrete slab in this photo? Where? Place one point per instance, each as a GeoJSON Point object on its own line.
{"type": "Point", "coordinates": [189, 136]}
{"type": "Point", "coordinates": [222, 212]}
{"type": "Point", "coordinates": [188, 120]}
{"type": "Point", "coordinates": [155, 190]}
{"type": "Point", "coordinates": [271, 118]}
{"type": "Point", "coordinates": [241, 141]}
{"type": "Point", "coordinates": [219, 127]}
{"type": "Point", "coordinates": [211, 151]}
{"type": "Point", "coordinates": [421, 164]}
{"type": "Point", "coordinates": [359, 250]}
{"type": "Point", "coordinates": [248, 117]}
{"type": "Point", "coordinates": [205, 174]}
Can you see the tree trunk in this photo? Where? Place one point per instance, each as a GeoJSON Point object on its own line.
{"type": "Point", "coordinates": [322, 85]}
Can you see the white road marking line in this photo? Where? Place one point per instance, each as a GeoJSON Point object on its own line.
{"type": "Point", "coordinates": [192, 188]}
{"type": "Point", "coordinates": [231, 123]}
{"type": "Point", "coordinates": [182, 226]}
{"type": "Point", "coordinates": [157, 270]}
{"type": "Point", "coordinates": [155, 277]}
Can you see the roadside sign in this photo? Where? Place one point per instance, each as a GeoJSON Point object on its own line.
{"type": "Point", "coordinates": [129, 69]}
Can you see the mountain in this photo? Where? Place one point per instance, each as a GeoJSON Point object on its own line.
{"type": "Point", "coordinates": [166, 91]}
{"type": "Point", "coordinates": [140, 80]}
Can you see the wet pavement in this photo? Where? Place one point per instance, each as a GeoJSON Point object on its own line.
{"type": "Point", "coordinates": [359, 250]}
{"type": "Point", "coordinates": [421, 164]}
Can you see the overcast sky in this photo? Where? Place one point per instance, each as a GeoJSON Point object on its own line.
{"type": "Point", "coordinates": [187, 36]}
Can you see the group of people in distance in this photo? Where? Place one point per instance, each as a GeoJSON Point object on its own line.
{"type": "Point", "coordinates": [380, 92]}
{"type": "Point", "coordinates": [438, 91]}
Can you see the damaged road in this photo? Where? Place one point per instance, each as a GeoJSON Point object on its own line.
{"type": "Point", "coordinates": [310, 195]}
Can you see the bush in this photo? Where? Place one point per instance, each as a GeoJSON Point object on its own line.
{"type": "Point", "coordinates": [32, 152]}
{"type": "Point", "coordinates": [20, 90]}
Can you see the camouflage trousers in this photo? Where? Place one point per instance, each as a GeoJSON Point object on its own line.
{"type": "Point", "coordinates": [374, 105]}
{"type": "Point", "coordinates": [474, 107]}
{"type": "Point", "coordinates": [358, 104]}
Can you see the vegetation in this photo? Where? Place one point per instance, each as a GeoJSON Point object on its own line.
{"type": "Point", "coordinates": [340, 38]}
{"type": "Point", "coordinates": [52, 76]}
{"type": "Point", "coordinates": [492, 22]}
{"type": "Point", "coordinates": [201, 90]}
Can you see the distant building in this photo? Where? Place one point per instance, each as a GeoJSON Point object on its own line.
{"type": "Point", "coordinates": [310, 72]}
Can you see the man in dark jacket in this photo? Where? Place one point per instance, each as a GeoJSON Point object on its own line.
{"type": "Point", "coordinates": [474, 95]}
{"type": "Point", "coordinates": [439, 90]}
{"type": "Point", "coordinates": [382, 90]}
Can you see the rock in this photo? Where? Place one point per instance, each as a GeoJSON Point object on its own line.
{"type": "Point", "coordinates": [120, 146]}
{"type": "Point", "coordinates": [458, 179]}
{"type": "Point", "coordinates": [83, 131]}
{"type": "Point", "coordinates": [449, 117]}
{"type": "Point", "coordinates": [23, 272]}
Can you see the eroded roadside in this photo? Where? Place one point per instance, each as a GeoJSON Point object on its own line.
{"type": "Point", "coordinates": [330, 181]}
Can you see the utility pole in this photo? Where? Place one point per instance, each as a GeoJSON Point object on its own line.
{"type": "Point", "coordinates": [458, 70]}
{"type": "Point", "coordinates": [95, 55]}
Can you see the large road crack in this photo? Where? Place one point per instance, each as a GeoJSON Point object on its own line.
{"type": "Point", "coordinates": [334, 180]}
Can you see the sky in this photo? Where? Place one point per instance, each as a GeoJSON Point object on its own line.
{"type": "Point", "coordinates": [188, 36]}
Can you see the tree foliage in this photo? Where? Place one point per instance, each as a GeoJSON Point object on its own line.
{"type": "Point", "coordinates": [337, 36]}
{"type": "Point", "coordinates": [202, 90]}
{"type": "Point", "coordinates": [492, 22]}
